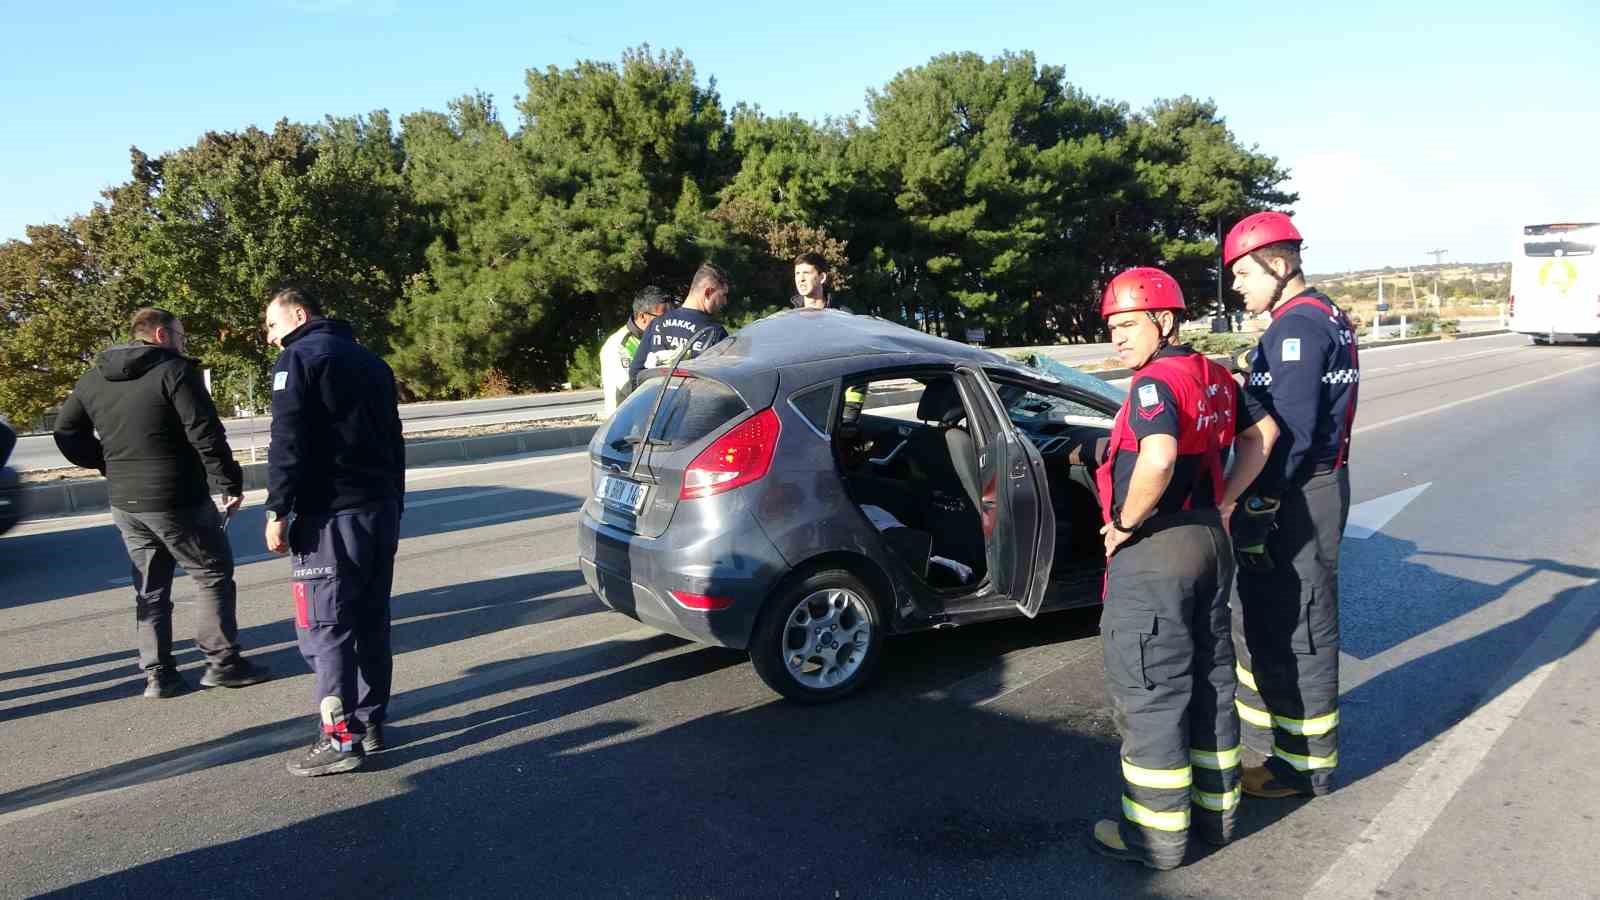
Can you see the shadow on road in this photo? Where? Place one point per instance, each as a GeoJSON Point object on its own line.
{"type": "Point", "coordinates": [37, 568]}
{"type": "Point", "coordinates": [900, 791]}
{"type": "Point", "coordinates": [422, 619]}
{"type": "Point", "coordinates": [1393, 712]}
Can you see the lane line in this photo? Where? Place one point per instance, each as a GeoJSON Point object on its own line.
{"type": "Point", "coordinates": [1373, 858]}
{"type": "Point", "coordinates": [238, 561]}
{"type": "Point", "coordinates": [259, 496]}
{"type": "Point", "coordinates": [1452, 405]}
{"type": "Point", "coordinates": [573, 506]}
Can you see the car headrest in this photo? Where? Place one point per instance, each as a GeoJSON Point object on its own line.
{"type": "Point", "coordinates": [939, 400]}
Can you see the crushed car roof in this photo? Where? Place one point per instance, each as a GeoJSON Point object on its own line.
{"type": "Point", "coordinates": [800, 336]}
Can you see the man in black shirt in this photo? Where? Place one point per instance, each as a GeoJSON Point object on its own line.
{"type": "Point", "coordinates": [160, 442]}
{"type": "Point", "coordinates": [694, 322]}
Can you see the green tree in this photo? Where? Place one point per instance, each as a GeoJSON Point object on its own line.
{"type": "Point", "coordinates": [209, 230]}
{"type": "Point", "coordinates": [607, 186]}
{"type": "Point", "coordinates": [56, 313]}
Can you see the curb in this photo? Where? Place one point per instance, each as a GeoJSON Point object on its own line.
{"type": "Point", "coordinates": [77, 498]}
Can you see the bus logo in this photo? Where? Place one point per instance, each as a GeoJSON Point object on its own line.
{"type": "Point", "coordinates": [1560, 274]}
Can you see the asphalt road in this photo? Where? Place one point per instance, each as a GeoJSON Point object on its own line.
{"type": "Point", "coordinates": [542, 746]}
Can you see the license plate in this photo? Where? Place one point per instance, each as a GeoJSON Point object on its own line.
{"type": "Point", "coordinates": [620, 493]}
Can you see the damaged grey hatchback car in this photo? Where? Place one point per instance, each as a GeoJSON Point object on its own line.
{"type": "Point", "coordinates": [820, 481]}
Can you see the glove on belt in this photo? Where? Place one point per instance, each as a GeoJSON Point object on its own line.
{"type": "Point", "coordinates": [1252, 522]}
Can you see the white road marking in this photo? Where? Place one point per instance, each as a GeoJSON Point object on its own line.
{"type": "Point", "coordinates": [238, 561]}
{"type": "Point", "coordinates": [1424, 344]}
{"type": "Point", "coordinates": [1374, 857]}
{"type": "Point", "coordinates": [259, 496]}
{"type": "Point", "coordinates": [1452, 405]}
{"type": "Point", "coordinates": [571, 506]}
{"type": "Point", "coordinates": [1440, 359]}
{"type": "Point", "coordinates": [1368, 518]}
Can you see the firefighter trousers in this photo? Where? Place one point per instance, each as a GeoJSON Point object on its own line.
{"type": "Point", "coordinates": [343, 574]}
{"type": "Point", "coordinates": [1170, 674]}
{"type": "Point", "coordinates": [1286, 632]}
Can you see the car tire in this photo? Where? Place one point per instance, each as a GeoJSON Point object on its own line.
{"type": "Point", "coordinates": [820, 638]}
{"type": "Point", "coordinates": [1541, 341]}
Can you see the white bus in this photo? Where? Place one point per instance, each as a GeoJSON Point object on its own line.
{"type": "Point", "coordinates": [1555, 282]}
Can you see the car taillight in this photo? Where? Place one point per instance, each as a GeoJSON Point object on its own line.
{"type": "Point", "coordinates": [1511, 304]}
{"type": "Point", "coordinates": [700, 602]}
{"type": "Point", "coordinates": [737, 458]}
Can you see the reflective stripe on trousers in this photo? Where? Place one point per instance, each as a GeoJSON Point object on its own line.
{"type": "Point", "coordinates": [1286, 624]}
{"type": "Point", "coordinates": [1169, 672]}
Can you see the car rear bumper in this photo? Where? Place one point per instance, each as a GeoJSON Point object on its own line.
{"type": "Point", "coordinates": [635, 575]}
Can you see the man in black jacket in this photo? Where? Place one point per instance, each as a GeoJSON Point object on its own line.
{"type": "Point", "coordinates": [160, 443]}
{"type": "Point", "coordinates": [337, 463]}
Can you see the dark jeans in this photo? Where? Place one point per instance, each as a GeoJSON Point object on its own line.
{"type": "Point", "coordinates": [194, 537]}
{"type": "Point", "coordinates": [342, 577]}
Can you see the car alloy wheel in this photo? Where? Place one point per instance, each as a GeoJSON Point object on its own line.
{"type": "Point", "coordinates": [826, 638]}
{"type": "Point", "coordinates": [820, 639]}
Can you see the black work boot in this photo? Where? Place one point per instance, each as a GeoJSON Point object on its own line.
{"type": "Point", "coordinates": [163, 682]}
{"type": "Point", "coordinates": [336, 749]}
{"type": "Point", "coordinates": [237, 674]}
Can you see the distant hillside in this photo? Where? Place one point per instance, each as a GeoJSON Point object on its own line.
{"type": "Point", "coordinates": [1457, 283]}
{"type": "Point", "coordinates": [1490, 272]}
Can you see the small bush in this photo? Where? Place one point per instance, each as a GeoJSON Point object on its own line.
{"type": "Point", "coordinates": [584, 370]}
{"type": "Point", "coordinates": [1225, 344]}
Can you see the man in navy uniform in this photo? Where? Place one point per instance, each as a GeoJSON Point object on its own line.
{"type": "Point", "coordinates": [1304, 373]}
{"type": "Point", "coordinates": [337, 466]}
{"type": "Point", "coordinates": [694, 324]}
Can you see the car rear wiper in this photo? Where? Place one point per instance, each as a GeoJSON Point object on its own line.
{"type": "Point", "coordinates": [672, 369]}
{"type": "Point", "coordinates": [634, 440]}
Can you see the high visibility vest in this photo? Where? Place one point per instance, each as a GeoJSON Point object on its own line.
{"type": "Point", "coordinates": [1205, 394]}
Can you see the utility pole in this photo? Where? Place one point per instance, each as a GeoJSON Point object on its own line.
{"type": "Point", "coordinates": [1221, 310]}
{"type": "Point", "coordinates": [1438, 266]}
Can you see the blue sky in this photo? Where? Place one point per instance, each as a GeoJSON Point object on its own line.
{"type": "Point", "coordinates": [1407, 126]}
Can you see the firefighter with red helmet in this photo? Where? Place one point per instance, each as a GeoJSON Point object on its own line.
{"type": "Point", "coordinates": [1304, 375]}
{"type": "Point", "coordinates": [1169, 571]}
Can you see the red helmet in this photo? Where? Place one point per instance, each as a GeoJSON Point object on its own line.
{"type": "Point", "coordinates": [1144, 289]}
{"type": "Point", "coordinates": [1256, 231]}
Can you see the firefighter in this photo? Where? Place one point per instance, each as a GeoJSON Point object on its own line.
{"type": "Point", "coordinates": [1168, 652]}
{"type": "Point", "coordinates": [1304, 374]}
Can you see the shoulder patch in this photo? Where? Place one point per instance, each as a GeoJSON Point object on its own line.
{"type": "Point", "coordinates": [280, 380]}
{"type": "Point", "coordinates": [1148, 395]}
{"type": "Point", "coordinates": [1291, 350]}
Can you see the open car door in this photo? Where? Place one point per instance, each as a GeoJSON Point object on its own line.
{"type": "Point", "coordinates": [1019, 523]}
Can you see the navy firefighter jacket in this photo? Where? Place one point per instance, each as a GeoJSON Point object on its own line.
{"type": "Point", "coordinates": [1304, 372]}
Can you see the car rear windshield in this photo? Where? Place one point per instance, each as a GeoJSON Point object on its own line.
{"type": "Point", "coordinates": [693, 408]}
